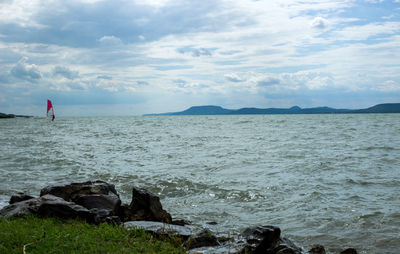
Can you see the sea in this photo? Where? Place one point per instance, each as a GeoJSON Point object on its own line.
{"type": "Point", "coordinates": [331, 179]}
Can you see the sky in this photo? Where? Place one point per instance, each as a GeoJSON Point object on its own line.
{"type": "Point", "coordinates": [120, 57]}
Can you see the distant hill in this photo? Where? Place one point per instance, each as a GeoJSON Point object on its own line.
{"type": "Point", "coordinates": [217, 110]}
{"type": "Point", "coordinates": [3, 115]}
{"type": "Point", "coordinates": [381, 108]}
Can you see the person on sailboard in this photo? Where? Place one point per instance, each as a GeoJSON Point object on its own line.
{"type": "Point", "coordinates": [52, 117]}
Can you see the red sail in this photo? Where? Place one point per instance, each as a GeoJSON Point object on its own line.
{"type": "Point", "coordinates": [49, 106]}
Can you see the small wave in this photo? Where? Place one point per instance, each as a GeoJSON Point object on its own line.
{"type": "Point", "coordinates": [371, 148]}
{"type": "Point", "coordinates": [363, 183]}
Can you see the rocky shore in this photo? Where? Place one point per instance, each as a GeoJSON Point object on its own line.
{"type": "Point", "coordinates": [98, 202]}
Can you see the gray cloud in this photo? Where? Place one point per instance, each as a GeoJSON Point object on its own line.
{"type": "Point", "coordinates": [23, 70]}
{"type": "Point", "coordinates": [196, 52]}
{"type": "Point", "coordinates": [180, 82]}
{"type": "Point", "coordinates": [142, 83]}
{"type": "Point", "coordinates": [104, 77]}
{"type": "Point", "coordinates": [81, 24]}
{"type": "Point", "coordinates": [65, 72]}
{"type": "Point", "coordinates": [268, 82]}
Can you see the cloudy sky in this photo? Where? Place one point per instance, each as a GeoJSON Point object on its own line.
{"type": "Point", "coordinates": [130, 57]}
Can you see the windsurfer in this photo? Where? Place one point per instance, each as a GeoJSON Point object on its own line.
{"type": "Point", "coordinates": [52, 117]}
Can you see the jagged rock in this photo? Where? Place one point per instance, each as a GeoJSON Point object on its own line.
{"type": "Point", "coordinates": [267, 239]}
{"type": "Point", "coordinates": [144, 206]}
{"type": "Point", "coordinates": [261, 238]}
{"type": "Point", "coordinates": [99, 197]}
{"type": "Point", "coordinates": [71, 191]}
{"type": "Point", "coordinates": [203, 239]}
{"type": "Point", "coordinates": [349, 251]}
{"type": "Point", "coordinates": [317, 249]}
{"type": "Point", "coordinates": [160, 229]}
{"type": "Point", "coordinates": [47, 206]}
{"type": "Point", "coordinates": [19, 197]}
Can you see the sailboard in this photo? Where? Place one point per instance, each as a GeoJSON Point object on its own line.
{"type": "Point", "coordinates": [50, 109]}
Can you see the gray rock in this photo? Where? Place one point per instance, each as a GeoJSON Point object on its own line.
{"type": "Point", "coordinates": [144, 206]}
{"type": "Point", "coordinates": [160, 229]}
{"type": "Point", "coordinates": [99, 201]}
{"type": "Point", "coordinates": [99, 197]}
{"type": "Point", "coordinates": [47, 206]}
{"type": "Point", "coordinates": [71, 191]}
{"type": "Point", "coordinates": [203, 239]}
{"type": "Point", "coordinates": [317, 249]}
{"type": "Point", "coordinates": [267, 239]}
{"type": "Point", "coordinates": [19, 197]}
{"type": "Point", "coordinates": [261, 238]}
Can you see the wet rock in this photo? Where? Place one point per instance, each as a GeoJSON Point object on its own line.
{"type": "Point", "coordinates": [19, 197]}
{"type": "Point", "coordinates": [144, 206]}
{"type": "Point", "coordinates": [180, 222]}
{"type": "Point", "coordinates": [71, 191]}
{"type": "Point", "coordinates": [317, 249]}
{"type": "Point", "coordinates": [287, 246]}
{"type": "Point", "coordinates": [160, 229]}
{"type": "Point", "coordinates": [267, 239]}
{"type": "Point", "coordinates": [349, 251]}
{"type": "Point", "coordinates": [261, 238]}
{"type": "Point", "coordinates": [203, 239]}
{"type": "Point", "coordinates": [47, 206]}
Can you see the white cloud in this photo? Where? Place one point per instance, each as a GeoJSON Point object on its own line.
{"type": "Point", "coordinates": [367, 31]}
{"type": "Point", "coordinates": [110, 40]}
{"type": "Point", "coordinates": [319, 23]}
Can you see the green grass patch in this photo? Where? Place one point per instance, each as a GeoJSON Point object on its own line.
{"type": "Point", "coordinates": [72, 236]}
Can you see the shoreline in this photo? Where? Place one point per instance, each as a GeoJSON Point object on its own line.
{"type": "Point", "coordinates": [98, 202]}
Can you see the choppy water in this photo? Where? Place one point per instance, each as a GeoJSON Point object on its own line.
{"type": "Point", "coordinates": [324, 179]}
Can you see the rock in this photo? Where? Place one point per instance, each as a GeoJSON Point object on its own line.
{"type": "Point", "coordinates": [99, 197]}
{"type": "Point", "coordinates": [203, 239]}
{"type": "Point", "coordinates": [57, 207]}
{"type": "Point", "coordinates": [261, 238]}
{"type": "Point", "coordinates": [99, 201]}
{"type": "Point", "coordinates": [349, 251]}
{"type": "Point", "coordinates": [267, 239]}
{"type": "Point", "coordinates": [317, 249]}
{"type": "Point", "coordinates": [144, 206]}
{"type": "Point", "coordinates": [71, 191]}
{"type": "Point", "coordinates": [19, 197]}
{"type": "Point", "coordinates": [47, 206]}
{"type": "Point", "coordinates": [180, 222]}
{"type": "Point", "coordinates": [160, 229]}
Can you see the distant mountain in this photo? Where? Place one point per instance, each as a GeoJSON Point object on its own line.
{"type": "Point", "coordinates": [217, 110]}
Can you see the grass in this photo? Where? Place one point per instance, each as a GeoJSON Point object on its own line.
{"type": "Point", "coordinates": [35, 235]}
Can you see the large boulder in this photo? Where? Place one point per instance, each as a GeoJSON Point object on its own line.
{"type": "Point", "coordinates": [144, 206]}
{"type": "Point", "coordinates": [98, 196]}
{"type": "Point", "coordinates": [47, 206]}
{"type": "Point", "coordinates": [72, 191]}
